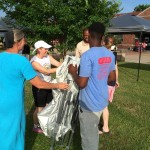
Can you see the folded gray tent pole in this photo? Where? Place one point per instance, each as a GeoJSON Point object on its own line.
{"type": "Point", "coordinates": [64, 109]}
{"type": "Point", "coordinates": [70, 102]}
{"type": "Point", "coordinates": [64, 101]}
{"type": "Point", "coordinates": [58, 119]}
{"type": "Point", "coordinates": [73, 123]}
{"type": "Point", "coordinates": [66, 112]}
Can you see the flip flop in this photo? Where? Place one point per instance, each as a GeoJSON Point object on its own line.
{"type": "Point", "coordinates": [103, 132]}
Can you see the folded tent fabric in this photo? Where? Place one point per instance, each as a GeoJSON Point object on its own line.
{"type": "Point", "coordinates": [55, 119]}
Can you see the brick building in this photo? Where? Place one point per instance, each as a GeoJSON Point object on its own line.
{"type": "Point", "coordinates": [128, 39]}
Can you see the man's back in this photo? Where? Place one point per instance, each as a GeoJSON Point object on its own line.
{"type": "Point", "coordinates": [96, 64]}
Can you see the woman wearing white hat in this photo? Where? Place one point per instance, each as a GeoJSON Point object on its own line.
{"type": "Point", "coordinates": [42, 62]}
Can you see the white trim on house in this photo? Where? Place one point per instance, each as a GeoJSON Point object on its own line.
{"type": "Point", "coordinates": [143, 11]}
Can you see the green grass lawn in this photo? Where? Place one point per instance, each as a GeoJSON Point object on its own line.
{"type": "Point", "coordinates": [129, 115]}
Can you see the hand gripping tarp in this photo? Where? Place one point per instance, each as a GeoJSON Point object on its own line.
{"type": "Point", "coordinates": [55, 118]}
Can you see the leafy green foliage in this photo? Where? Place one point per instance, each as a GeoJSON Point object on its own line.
{"type": "Point", "coordinates": [58, 19]}
{"type": "Point", "coordinates": [141, 7]}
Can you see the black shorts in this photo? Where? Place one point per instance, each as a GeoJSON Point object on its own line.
{"type": "Point", "coordinates": [41, 96]}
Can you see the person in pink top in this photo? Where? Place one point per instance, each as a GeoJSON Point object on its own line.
{"type": "Point", "coordinates": [108, 42]}
{"type": "Point", "coordinates": [144, 45]}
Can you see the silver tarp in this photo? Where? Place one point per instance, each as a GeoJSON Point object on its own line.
{"type": "Point", "coordinates": [55, 118]}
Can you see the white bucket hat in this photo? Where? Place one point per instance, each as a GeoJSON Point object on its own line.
{"type": "Point", "coordinates": [40, 44]}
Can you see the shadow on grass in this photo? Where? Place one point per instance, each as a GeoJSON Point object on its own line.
{"type": "Point", "coordinates": [30, 135]}
{"type": "Point", "coordinates": [135, 66]}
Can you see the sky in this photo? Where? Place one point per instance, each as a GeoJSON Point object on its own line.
{"type": "Point", "coordinates": [127, 5]}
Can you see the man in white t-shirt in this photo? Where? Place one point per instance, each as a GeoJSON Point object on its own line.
{"type": "Point", "coordinates": [83, 46]}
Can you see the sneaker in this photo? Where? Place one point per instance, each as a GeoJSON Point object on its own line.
{"type": "Point", "coordinates": [37, 129]}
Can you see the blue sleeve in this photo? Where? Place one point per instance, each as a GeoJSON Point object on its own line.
{"type": "Point", "coordinates": [85, 66]}
{"type": "Point", "coordinates": [27, 70]}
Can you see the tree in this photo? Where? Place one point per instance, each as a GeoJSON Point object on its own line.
{"type": "Point", "coordinates": [141, 7]}
{"type": "Point", "coordinates": [58, 19]}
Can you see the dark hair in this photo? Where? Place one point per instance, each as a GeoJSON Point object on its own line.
{"type": "Point", "coordinates": [85, 29]}
{"type": "Point", "coordinates": [97, 27]}
{"type": "Point", "coordinates": [9, 39]}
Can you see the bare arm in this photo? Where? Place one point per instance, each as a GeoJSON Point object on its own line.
{"type": "Point", "coordinates": [80, 81]}
{"type": "Point", "coordinates": [117, 83]}
{"type": "Point", "coordinates": [41, 69]}
{"type": "Point", "coordinates": [54, 61]}
{"type": "Point", "coordinates": [37, 82]}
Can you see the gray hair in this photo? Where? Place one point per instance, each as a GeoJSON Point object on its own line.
{"type": "Point", "coordinates": [13, 36]}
